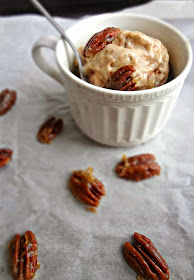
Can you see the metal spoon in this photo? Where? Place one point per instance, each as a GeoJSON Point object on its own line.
{"type": "Point", "coordinates": [43, 11]}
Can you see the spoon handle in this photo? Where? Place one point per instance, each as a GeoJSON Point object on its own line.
{"type": "Point", "coordinates": [43, 11]}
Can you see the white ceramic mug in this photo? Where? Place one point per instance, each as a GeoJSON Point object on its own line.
{"type": "Point", "coordinates": [110, 117]}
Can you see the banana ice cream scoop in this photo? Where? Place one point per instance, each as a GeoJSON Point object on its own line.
{"type": "Point", "coordinates": [125, 60]}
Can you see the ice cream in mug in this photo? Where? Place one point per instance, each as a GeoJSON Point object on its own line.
{"type": "Point", "coordinates": [125, 60]}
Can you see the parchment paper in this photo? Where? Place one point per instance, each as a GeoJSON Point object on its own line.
{"type": "Point", "coordinates": [74, 243]}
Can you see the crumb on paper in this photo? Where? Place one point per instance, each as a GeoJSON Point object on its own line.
{"type": "Point", "coordinates": [92, 209]}
{"type": "Point", "coordinates": [139, 277]}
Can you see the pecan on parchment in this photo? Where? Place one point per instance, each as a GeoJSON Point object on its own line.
{"type": "Point", "coordinates": [49, 130]}
{"type": "Point", "coordinates": [5, 156]}
{"type": "Point", "coordinates": [122, 80]}
{"type": "Point", "coordinates": [7, 100]}
{"type": "Point", "coordinates": [86, 188]}
{"type": "Point", "coordinates": [99, 41]}
{"type": "Point", "coordinates": [138, 167]}
{"type": "Point", "coordinates": [23, 256]}
{"type": "Point", "coordinates": [145, 259]}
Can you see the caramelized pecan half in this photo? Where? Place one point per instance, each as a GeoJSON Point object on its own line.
{"type": "Point", "coordinates": [5, 156]}
{"type": "Point", "coordinates": [99, 41]}
{"type": "Point", "coordinates": [49, 130]}
{"type": "Point", "coordinates": [7, 100]}
{"type": "Point", "coordinates": [23, 256]}
{"type": "Point", "coordinates": [145, 259]}
{"type": "Point", "coordinates": [86, 188]}
{"type": "Point", "coordinates": [138, 167]}
{"type": "Point", "coordinates": [122, 80]}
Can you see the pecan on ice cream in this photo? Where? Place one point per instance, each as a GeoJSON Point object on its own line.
{"type": "Point", "coordinates": [138, 167]}
{"type": "Point", "coordinates": [99, 40]}
{"type": "Point", "coordinates": [7, 100]}
{"type": "Point", "coordinates": [49, 130]}
{"type": "Point", "coordinates": [23, 256]}
{"type": "Point", "coordinates": [5, 156]}
{"type": "Point", "coordinates": [145, 260]}
{"type": "Point", "coordinates": [86, 188]}
{"type": "Point", "coordinates": [121, 79]}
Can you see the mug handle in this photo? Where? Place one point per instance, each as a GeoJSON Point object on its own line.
{"type": "Point", "coordinates": [40, 59]}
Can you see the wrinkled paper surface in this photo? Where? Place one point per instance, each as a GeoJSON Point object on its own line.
{"type": "Point", "coordinates": [74, 243]}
